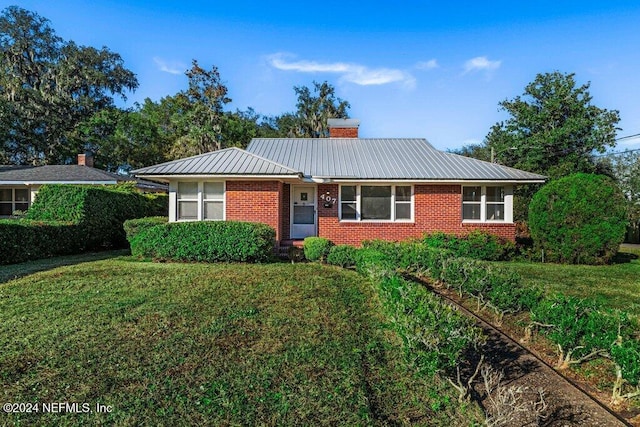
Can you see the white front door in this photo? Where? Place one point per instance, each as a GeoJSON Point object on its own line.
{"type": "Point", "coordinates": [303, 212]}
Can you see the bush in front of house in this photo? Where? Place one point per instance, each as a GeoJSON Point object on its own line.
{"type": "Point", "coordinates": [342, 255]}
{"type": "Point", "coordinates": [316, 248]}
{"type": "Point", "coordinates": [24, 240]}
{"type": "Point", "coordinates": [206, 241]}
{"type": "Point", "coordinates": [134, 226]}
{"type": "Point", "coordinates": [578, 219]}
{"type": "Point", "coordinates": [477, 245]}
{"type": "Point", "coordinates": [99, 210]}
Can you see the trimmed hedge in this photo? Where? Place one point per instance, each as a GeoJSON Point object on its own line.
{"type": "Point", "coordinates": [578, 219]}
{"type": "Point", "coordinates": [66, 219]}
{"type": "Point", "coordinates": [207, 241]}
{"type": "Point", "coordinates": [24, 240]}
{"type": "Point", "coordinates": [342, 256]}
{"type": "Point", "coordinates": [134, 226]}
{"type": "Point", "coordinates": [316, 248]}
{"type": "Point", "coordinates": [476, 245]}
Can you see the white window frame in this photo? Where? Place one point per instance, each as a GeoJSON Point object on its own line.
{"type": "Point", "coordinates": [507, 204]}
{"type": "Point", "coordinates": [13, 202]}
{"type": "Point", "coordinates": [200, 201]}
{"type": "Point", "coordinates": [393, 203]}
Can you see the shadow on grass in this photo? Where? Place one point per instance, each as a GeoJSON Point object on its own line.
{"type": "Point", "coordinates": [15, 271]}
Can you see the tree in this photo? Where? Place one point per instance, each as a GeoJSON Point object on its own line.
{"type": "Point", "coordinates": [200, 114]}
{"type": "Point", "coordinates": [626, 171]}
{"type": "Point", "coordinates": [553, 128]}
{"type": "Point", "coordinates": [579, 219]}
{"type": "Point", "coordinates": [48, 87]}
{"type": "Point", "coordinates": [314, 109]}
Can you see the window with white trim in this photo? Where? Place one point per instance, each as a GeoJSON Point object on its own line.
{"type": "Point", "coordinates": [197, 201]}
{"type": "Point", "coordinates": [495, 204]}
{"type": "Point", "coordinates": [484, 203]}
{"type": "Point", "coordinates": [13, 199]}
{"type": "Point", "coordinates": [376, 202]}
{"type": "Point", "coordinates": [471, 203]}
{"type": "Point", "coordinates": [187, 199]}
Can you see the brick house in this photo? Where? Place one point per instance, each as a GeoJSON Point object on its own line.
{"type": "Point", "coordinates": [344, 188]}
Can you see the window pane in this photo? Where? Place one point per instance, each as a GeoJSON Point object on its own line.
{"type": "Point", "coordinates": [303, 215]}
{"type": "Point", "coordinates": [376, 202]}
{"type": "Point", "coordinates": [348, 193]}
{"type": "Point", "coordinates": [403, 193]}
{"type": "Point", "coordinates": [495, 211]}
{"type": "Point", "coordinates": [495, 194]}
{"type": "Point", "coordinates": [348, 211]}
{"type": "Point", "coordinates": [22, 206]}
{"type": "Point", "coordinates": [22, 195]}
{"type": "Point", "coordinates": [214, 190]}
{"type": "Point", "coordinates": [188, 190]}
{"type": "Point", "coordinates": [187, 210]}
{"type": "Point", "coordinates": [6, 194]}
{"type": "Point", "coordinates": [471, 211]}
{"type": "Point", "coordinates": [471, 194]}
{"type": "Point", "coordinates": [6, 209]}
{"type": "Point", "coordinates": [403, 210]}
{"type": "Point", "coordinates": [213, 210]}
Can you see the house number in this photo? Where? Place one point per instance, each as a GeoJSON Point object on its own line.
{"type": "Point", "coordinates": [327, 198]}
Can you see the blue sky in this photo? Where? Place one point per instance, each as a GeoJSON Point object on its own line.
{"type": "Point", "coordinates": [409, 69]}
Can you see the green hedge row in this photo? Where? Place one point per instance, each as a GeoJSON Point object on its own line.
{"type": "Point", "coordinates": [24, 240]}
{"type": "Point", "coordinates": [134, 226]}
{"type": "Point", "coordinates": [435, 336]}
{"type": "Point", "coordinates": [67, 219]}
{"type": "Point", "coordinates": [207, 241]}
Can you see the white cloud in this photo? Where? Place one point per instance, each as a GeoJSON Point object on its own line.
{"type": "Point", "coordinates": [170, 67]}
{"type": "Point", "coordinates": [481, 63]}
{"type": "Point", "coordinates": [427, 65]}
{"type": "Point", "coordinates": [353, 73]}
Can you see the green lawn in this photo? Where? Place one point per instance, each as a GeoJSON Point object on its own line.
{"type": "Point", "coordinates": [198, 344]}
{"type": "Point", "coordinates": [616, 285]}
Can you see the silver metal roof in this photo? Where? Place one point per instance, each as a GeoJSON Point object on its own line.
{"type": "Point", "coordinates": [379, 158]}
{"type": "Point", "coordinates": [230, 161]}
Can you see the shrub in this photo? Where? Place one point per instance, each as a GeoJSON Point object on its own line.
{"type": "Point", "coordinates": [316, 248]}
{"type": "Point", "coordinates": [208, 241]}
{"type": "Point", "coordinates": [134, 226]}
{"type": "Point", "coordinates": [24, 240]}
{"type": "Point", "coordinates": [578, 219]}
{"type": "Point", "coordinates": [342, 255]}
{"type": "Point", "coordinates": [476, 245]}
{"type": "Point", "coordinates": [99, 210]}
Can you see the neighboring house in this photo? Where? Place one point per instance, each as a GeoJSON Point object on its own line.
{"type": "Point", "coordinates": [344, 188]}
{"type": "Point", "coordinates": [20, 184]}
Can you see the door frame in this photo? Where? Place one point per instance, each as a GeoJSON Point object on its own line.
{"type": "Point", "coordinates": [315, 209]}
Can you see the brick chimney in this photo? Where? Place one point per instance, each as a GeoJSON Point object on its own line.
{"type": "Point", "coordinates": [85, 160]}
{"type": "Point", "coordinates": [343, 128]}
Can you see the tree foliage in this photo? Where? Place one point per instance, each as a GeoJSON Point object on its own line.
{"type": "Point", "coordinates": [579, 219]}
{"type": "Point", "coordinates": [49, 86]}
{"type": "Point", "coordinates": [553, 128]}
{"type": "Point", "coordinates": [314, 107]}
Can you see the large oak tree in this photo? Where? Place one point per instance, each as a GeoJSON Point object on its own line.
{"type": "Point", "coordinates": [49, 87]}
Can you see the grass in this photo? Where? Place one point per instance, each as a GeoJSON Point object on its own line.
{"type": "Point", "coordinates": [616, 285]}
{"type": "Point", "coordinates": [198, 344]}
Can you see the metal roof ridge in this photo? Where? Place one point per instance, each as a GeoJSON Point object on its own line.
{"type": "Point", "coordinates": [269, 161]}
{"type": "Point", "coordinates": [209, 153]}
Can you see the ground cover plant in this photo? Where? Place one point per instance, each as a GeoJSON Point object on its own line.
{"type": "Point", "coordinates": [203, 344]}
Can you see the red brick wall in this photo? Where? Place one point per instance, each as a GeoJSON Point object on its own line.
{"type": "Point", "coordinates": [343, 132]}
{"type": "Point", "coordinates": [257, 201]}
{"type": "Point", "coordinates": [437, 208]}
